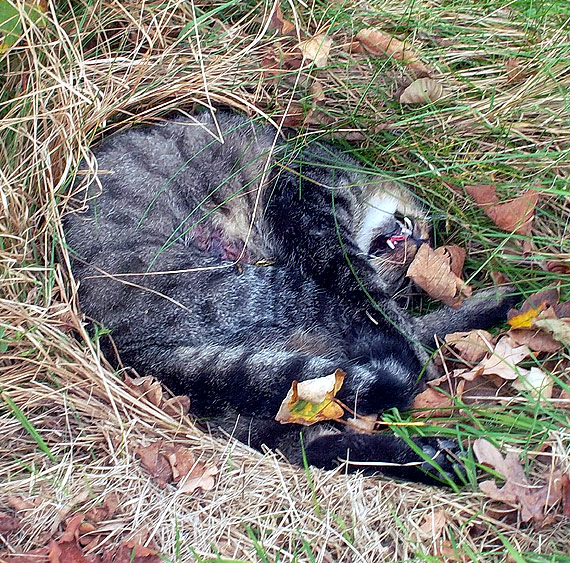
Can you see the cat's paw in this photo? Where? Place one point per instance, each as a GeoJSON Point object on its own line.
{"type": "Point", "coordinates": [443, 454]}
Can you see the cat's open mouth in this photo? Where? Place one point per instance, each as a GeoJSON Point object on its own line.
{"type": "Point", "coordinates": [385, 242]}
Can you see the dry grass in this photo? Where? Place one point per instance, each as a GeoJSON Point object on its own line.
{"type": "Point", "coordinates": [99, 64]}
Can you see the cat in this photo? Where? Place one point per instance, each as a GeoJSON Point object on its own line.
{"type": "Point", "coordinates": [229, 267]}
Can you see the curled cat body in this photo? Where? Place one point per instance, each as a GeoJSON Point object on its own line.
{"type": "Point", "coordinates": [229, 268]}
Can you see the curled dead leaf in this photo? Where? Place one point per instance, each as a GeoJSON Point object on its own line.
{"type": "Point", "coordinates": [312, 400]}
{"type": "Point", "coordinates": [378, 42]}
{"type": "Point", "coordinates": [422, 91]}
{"type": "Point", "coordinates": [278, 22]}
{"type": "Point", "coordinates": [431, 270]}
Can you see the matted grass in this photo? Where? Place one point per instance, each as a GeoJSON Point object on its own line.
{"type": "Point", "coordinates": [70, 425]}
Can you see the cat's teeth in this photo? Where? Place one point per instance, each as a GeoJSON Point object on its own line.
{"type": "Point", "coordinates": [390, 244]}
{"type": "Point", "coordinates": [409, 224]}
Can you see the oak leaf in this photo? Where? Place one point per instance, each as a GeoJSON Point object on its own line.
{"type": "Point", "coordinates": [312, 400]}
{"type": "Point", "coordinates": [431, 270]}
{"type": "Point", "coordinates": [532, 501]}
{"type": "Point", "coordinates": [201, 477]}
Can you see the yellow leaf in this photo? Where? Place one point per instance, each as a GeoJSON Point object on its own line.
{"type": "Point", "coordinates": [312, 401]}
{"type": "Point", "coordinates": [524, 320]}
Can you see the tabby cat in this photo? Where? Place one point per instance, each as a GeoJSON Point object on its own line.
{"type": "Point", "coordinates": [229, 266]}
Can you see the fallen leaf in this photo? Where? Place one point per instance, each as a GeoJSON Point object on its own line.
{"type": "Point", "coordinates": [515, 215]}
{"type": "Point", "coordinates": [201, 477]}
{"type": "Point", "coordinates": [316, 49]}
{"type": "Point", "coordinates": [105, 510]}
{"type": "Point", "coordinates": [147, 387]}
{"type": "Point", "coordinates": [434, 401]}
{"type": "Point", "coordinates": [278, 22]}
{"type": "Point", "coordinates": [565, 485]}
{"type": "Point", "coordinates": [562, 267]}
{"type": "Point", "coordinates": [504, 359]}
{"type": "Point", "coordinates": [472, 345]}
{"type": "Point", "coordinates": [154, 462]}
{"type": "Point", "coordinates": [8, 523]}
{"type": "Point", "coordinates": [532, 501]}
{"type": "Point", "coordinates": [559, 328]}
{"type": "Point", "coordinates": [19, 503]}
{"type": "Point", "coordinates": [483, 194]}
{"type": "Point", "coordinates": [433, 524]}
{"type": "Point", "coordinates": [536, 340]}
{"type": "Point", "coordinates": [451, 552]}
{"type": "Point", "coordinates": [72, 528]}
{"type": "Point", "coordinates": [177, 406]}
{"type": "Point", "coordinates": [524, 320]}
{"type": "Point", "coordinates": [431, 270]}
{"type": "Point", "coordinates": [312, 400]}
{"type": "Point", "coordinates": [181, 462]}
{"type": "Point", "coordinates": [378, 42]}
{"type": "Point", "coordinates": [537, 382]}
{"type": "Point", "coordinates": [422, 91]}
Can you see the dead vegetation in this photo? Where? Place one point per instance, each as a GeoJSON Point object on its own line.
{"type": "Point", "coordinates": [71, 427]}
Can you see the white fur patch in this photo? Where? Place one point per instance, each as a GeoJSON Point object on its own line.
{"type": "Point", "coordinates": [380, 210]}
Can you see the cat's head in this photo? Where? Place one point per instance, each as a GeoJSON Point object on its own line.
{"type": "Point", "coordinates": [390, 228]}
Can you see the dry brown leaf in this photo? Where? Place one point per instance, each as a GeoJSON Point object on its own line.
{"type": "Point", "coordinates": [181, 462]}
{"type": "Point", "coordinates": [422, 91]}
{"type": "Point", "coordinates": [431, 270]}
{"type": "Point", "coordinates": [535, 339]}
{"type": "Point", "coordinates": [378, 42]}
{"type": "Point", "coordinates": [8, 523]}
{"type": "Point", "coordinates": [471, 346]}
{"type": "Point", "coordinates": [434, 401]}
{"type": "Point", "coordinates": [312, 400]}
{"type": "Point", "coordinates": [532, 501]}
{"type": "Point", "coordinates": [515, 215]}
{"type": "Point", "coordinates": [316, 49]}
{"type": "Point", "coordinates": [278, 22]}
{"type": "Point", "coordinates": [17, 502]}
{"type": "Point", "coordinates": [154, 462]}
{"type": "Point", "coordinates": [562, 267]}
{"type": "Point", "coordinates": [147, 387]}
{"type": "Point", "coordinates": [559, 328]}
{"type": "Point", "coordinates": [177, 406]}
{"type": "Point", "coordinates": [105, 511]}
{"type": "Point", "coordinates": [433, 524]}
{"type": "Point", "coordinates": [201, 477]}
{"type": "Point", "coordinates": [504, 360]}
